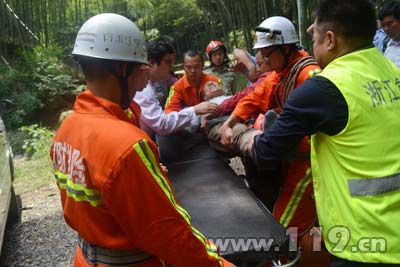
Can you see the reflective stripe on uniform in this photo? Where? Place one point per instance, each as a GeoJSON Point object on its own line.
{"type": "Point", "coordinates": [295, 199]}
{"type": "Point", "coordinates": [147, 155]}
{"type": "Point", "coordinates": [77, 191]}
{"type": "Point", "coordinates": [374, 186]}
{"type": "Point", "coordinates": [129, 113]}
{"type": "Point", "coordinates": [314, 72]}
{"type": "Point", "coordinates": [221, 85]}
{"type": "Point", "coordinates": [112, 257]}
{"type": "Point", "coordinates": [149, 160]}
{"type": "Point", "coordinates": [171, 93]}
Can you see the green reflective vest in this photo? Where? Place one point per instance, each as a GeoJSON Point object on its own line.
{"type": "Point", "coordinates": [357, 172]}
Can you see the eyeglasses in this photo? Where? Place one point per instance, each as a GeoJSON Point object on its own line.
{"type": "Point", "coordinates": [269, 54]}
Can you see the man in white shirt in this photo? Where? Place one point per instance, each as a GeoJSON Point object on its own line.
{"type": "Point", "coordinates": [390, 22]}
{"type": "Point", "coordinates": [161, 55]}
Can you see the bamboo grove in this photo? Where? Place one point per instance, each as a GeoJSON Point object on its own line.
{"type": "Point", "coordinates": [27, 23]}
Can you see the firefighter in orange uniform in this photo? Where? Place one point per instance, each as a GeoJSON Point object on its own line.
{"type": "Point", "coordinates": [295, 206]}
{"type": "Point", "coordinates": [276, 39]}
{"type": "Point", "coordinates": [113, 190]}
{"type": "Point", "coordinates": [188, 90]}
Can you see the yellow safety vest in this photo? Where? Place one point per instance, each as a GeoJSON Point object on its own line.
{"type": "Point", "coordinates": [357, 171]}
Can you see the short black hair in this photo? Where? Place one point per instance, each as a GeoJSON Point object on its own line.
{"type": "Point", "coordinates": [158, 48]}
{"type": "Point", "coordinates": [390, 8]}
{"type": "Point", "coordinates": [193, 53]}
{"type": "Point", "coordinates": [355, 20]}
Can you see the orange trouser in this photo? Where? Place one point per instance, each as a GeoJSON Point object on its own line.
{"type": "Point", "coordinates": [295, 206]}
{"type": "Point", "coordinates": [81, 262]}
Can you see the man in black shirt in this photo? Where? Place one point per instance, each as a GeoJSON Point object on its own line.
{"type": "Point", "coordinates": [351, 110]}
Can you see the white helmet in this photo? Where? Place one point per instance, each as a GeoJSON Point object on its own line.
{"type": "Point", "coordinates": [111, 36]}
{"type": "Point", "coordinates": [275, 31]}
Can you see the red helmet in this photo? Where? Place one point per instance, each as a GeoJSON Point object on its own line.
{"type": "Point", "coordinates": [214, 46]}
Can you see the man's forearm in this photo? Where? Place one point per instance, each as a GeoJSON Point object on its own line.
{"type": "Point", "coordinates": [252, 73]}
{"type": "Point", "coordinates": [232, 120]}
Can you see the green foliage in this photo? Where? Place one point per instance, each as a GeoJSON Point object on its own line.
{"type": "Point", "coordinates": [181, 19]}
{"type": "Point", "coordinates": [33, 166]}
{"type": "Point", "coordinates": [32, 173]}
{"type": "Point", "coordinates": [32, 141]}
{"type": "Point", "coordinates": [237, 38]}
{"type": "Point", "coordinates": [36, 82]}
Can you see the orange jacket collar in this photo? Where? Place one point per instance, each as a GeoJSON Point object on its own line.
{"type": "Point", "coordinates": [187, 84]}
{"type": "Point", "coordinates": [87, 102]}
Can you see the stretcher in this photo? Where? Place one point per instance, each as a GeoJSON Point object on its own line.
{"type": "Point", "coordinates": [226, 212]}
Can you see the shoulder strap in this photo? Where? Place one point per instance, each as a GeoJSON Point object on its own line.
{"type": "Point", "coordinates": [288, 83]}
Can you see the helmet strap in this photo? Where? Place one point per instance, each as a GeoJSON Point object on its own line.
{"type": "Point", "coordinates": [123, 85]}
{"type": "Point", "coordinates": [286, 56]}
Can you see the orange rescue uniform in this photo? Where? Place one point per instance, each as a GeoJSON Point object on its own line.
{"type": "Point", "coordinates": [295, 206]}
{"type": "Point", "coordinates": [114, 193]}
{"type": "Point", "coordinates": [262, 98]}
{"type": "Point", "coordinates": [182, 94]}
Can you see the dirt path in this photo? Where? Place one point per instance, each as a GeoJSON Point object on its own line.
{"type": "Point", "coordinates": [42, 238]}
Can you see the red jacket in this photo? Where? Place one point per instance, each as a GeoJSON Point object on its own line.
{"type": "Point", "coordinates": [182, 94]}
{"type": "Point", "coordinates": [113, 191]}
{"type": "Point", "coordinates": [229, 104]}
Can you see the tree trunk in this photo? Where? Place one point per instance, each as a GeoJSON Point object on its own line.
{"type": "Point", "coordinates": [45, 24]}
{"type": "Point", "coordinates": [301, 21]}
{"type": "Point", "coordinates": [86, 9]}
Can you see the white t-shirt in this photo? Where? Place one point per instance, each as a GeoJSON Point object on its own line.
{"type": "Point", "coordinates": [153, 118]}
{"type": "Point", "coordinates": [393, 51]}
{"type": "Point", "coordinates": [218, 99]}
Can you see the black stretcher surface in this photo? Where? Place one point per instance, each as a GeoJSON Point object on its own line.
{"type": "Point", "coordinates": [221, 206]}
